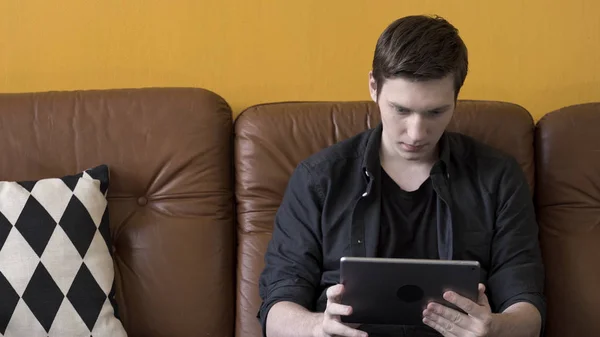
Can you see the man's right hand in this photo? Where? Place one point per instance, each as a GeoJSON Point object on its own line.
{"type": "Point", "coordinates": [332, 324]}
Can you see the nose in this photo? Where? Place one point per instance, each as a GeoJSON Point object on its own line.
{"type": "Point", "coordinates": [416, 129]}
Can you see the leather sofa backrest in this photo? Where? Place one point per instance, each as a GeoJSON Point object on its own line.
{"type": "Point", "coordinates": [170, 198]}
{"type": "Point", "coordinates": [568, 210]}
{"type": "Point", "coordinates": [271, 139]}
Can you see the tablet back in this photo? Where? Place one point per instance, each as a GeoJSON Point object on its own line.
{"type": "Point", "coordinates": [396, 291]}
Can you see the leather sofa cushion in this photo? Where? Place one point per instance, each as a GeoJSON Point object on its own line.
{"type": "Point", "coordinates": [568, 210]}
{"type": "Point", "coordinates": [170, 201]}
{"type": "Point", "coordinates": [271, 139]}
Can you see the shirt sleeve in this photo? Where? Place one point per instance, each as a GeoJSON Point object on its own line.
{"type": "Point", "coordinates": [517, 271]}
{"type": "Point", "coordinates": [293, 260]}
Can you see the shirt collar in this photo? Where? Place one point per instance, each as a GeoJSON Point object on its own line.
{"type": "Point", "coordinates": [371, 162]}
{"type": "Point", "coordinates": [443, 162]}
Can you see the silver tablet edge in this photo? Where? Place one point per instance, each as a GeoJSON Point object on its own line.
{"type": "Point", "coordinates": [409, 261]}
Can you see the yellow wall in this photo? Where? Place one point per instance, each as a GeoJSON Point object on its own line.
{"type": "Point", "coordinates": [542, 54]}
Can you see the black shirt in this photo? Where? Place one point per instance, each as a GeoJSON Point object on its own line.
{"type": "Point", "coordinates": [408, 224]}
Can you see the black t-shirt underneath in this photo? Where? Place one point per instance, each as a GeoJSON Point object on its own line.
{"type": "Point", "coordinates": [407, 230]}
{"type": "Point", "coordinates": [408, 223]}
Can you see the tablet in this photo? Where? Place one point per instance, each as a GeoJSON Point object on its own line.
{"type": "Point", "coordinates": [396, 291]}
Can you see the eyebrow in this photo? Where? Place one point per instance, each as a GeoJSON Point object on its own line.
{"type": "Point", "coordinates": [400, 107]}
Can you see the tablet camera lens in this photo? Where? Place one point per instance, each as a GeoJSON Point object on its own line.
{"type": "Point", "coordinates": [410, 293]}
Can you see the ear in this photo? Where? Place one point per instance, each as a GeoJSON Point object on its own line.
{"type": "Point", "coordinates": [372, 87]}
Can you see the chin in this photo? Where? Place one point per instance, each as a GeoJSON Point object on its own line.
{"type": "Point", "coordinates": [411, 156]}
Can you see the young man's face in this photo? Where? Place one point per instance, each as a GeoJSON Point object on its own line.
{"type": "Point", "coordinates": [414, 115]}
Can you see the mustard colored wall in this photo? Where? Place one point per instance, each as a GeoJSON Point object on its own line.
{"type": "Point", "coordinates": [542, 54]}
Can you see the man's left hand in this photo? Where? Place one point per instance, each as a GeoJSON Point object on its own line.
{"type": "Point", "coordinates": [449, 322]}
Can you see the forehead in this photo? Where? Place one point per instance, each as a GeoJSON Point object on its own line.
{"type": "Point", "coordinates": [418, 95]}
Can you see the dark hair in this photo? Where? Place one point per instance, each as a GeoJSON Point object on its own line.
{"type": "Point", "coordinates": [420, 48]}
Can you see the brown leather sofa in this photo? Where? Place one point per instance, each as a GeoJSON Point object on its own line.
{"type": "Point", "coordinates": [170, 198]}
{"type": "Point", "coordinates": [185, 180]}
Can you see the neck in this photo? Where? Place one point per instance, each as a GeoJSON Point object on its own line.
{"type": "Point", "coordinates": [409, 175]}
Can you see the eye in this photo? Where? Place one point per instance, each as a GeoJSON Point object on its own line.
{"type": "Point", "coordinates": [435, 112]}
{"type": "Point", "coordinates": [402, 111]}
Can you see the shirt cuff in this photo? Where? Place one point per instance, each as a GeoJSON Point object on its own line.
{"type": "Point", "coordinates": [301, 295]}
{"type": "Point", "coordinates": [535, 299]}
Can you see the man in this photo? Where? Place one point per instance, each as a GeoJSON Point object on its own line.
{"type": "Point", "coordinates": [409, 189]}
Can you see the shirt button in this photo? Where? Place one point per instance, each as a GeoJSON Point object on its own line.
{"type": "Point", "coordinates": [142, 201]}
{"type": "Point", "coordinates": [358, 241]}
{"type": "Point", "coordinates": [364, 194]}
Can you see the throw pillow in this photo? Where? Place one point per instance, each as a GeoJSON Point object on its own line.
{"type": "Point", "coordinates": [56, 266]}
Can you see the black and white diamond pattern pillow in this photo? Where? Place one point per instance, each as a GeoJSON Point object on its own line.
{"type": "Point", "coordinates": [56, 267]}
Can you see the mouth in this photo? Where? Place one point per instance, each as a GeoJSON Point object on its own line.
{"type": "Point", "coordinates": [412, 148]}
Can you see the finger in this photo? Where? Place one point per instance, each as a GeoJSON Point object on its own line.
{"type": "Point", "coordinates": [464, 303]}
{"type": "Point", "coordinates": [482, 298]}
{"type": "Point", "coordinates": [335, 292]}
{"type": "Point", "coordinates": [445, 324]}
{"type": "Point", "coordinates": [449, 314]}
{"type": "Point", "coordinates": [436, 326]}
{"type": "Point", "coordinates": [335, 309]}
{"type": "Point", "coordinates": [336, 328]}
